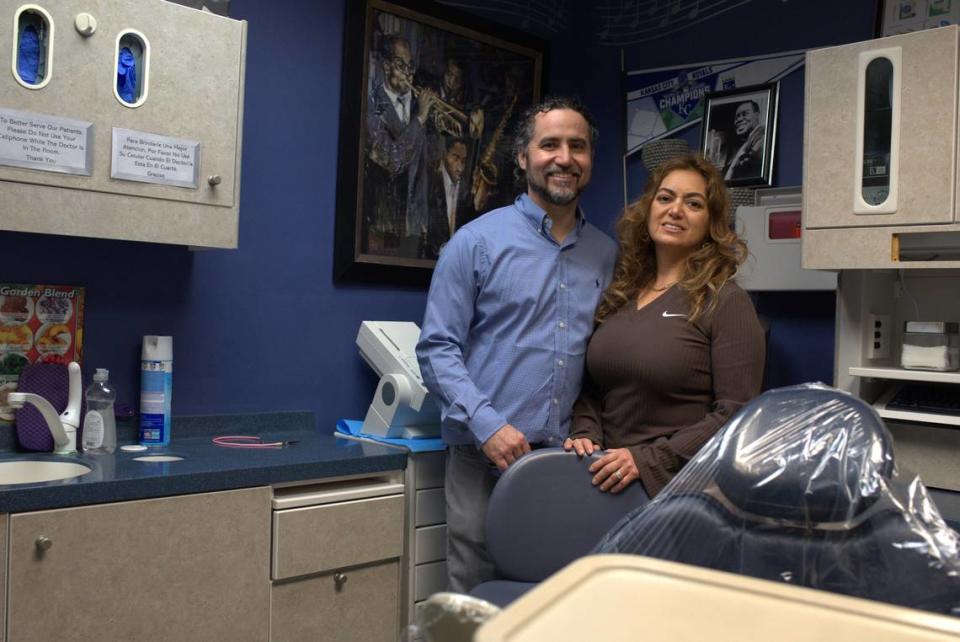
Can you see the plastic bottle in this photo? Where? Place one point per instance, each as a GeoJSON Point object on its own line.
{"type": "Point", "coordinates": [100, 423]}
{"type": "Point", "coordinates": [156, 388]}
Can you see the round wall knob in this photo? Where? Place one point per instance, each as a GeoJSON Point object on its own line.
{"type": "Point", "coordinates": [85, 24]}
{"type": "Point", "coordinates": [214, 180]}
{"type": "Point", "coordinates": [339, 579]}
{"type": "Point", "coordinates": [44, 543]}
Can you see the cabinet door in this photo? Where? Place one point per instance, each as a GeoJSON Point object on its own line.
{"type": "Point", "coordinates": [194, 567]}
{"type": "Point", "coordinates": [921, 162]}
{"type": "Point", "coordinates": [350, 605]}
{"type": "Point", "coordinates": [194, 79]}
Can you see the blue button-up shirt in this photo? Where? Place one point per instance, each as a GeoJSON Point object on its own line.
{"type": "Point", "coordinates": [507, 321]}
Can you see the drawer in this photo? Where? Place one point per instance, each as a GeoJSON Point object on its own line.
{"type": "Point", "coordinates": [431, 507]}
{"type": "Point", "coordinates": [366, 606]}
{"type": "Point", "coordinates": [430, 544]}
{"type": "Point", "coordinates": [429, 469]}
{"type": "Point", "coordinates": [429, 579]}
{"type": "Point", "coordinates": [321, 538]}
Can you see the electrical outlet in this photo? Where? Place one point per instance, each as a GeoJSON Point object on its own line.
{"type": "Point", "coordinates": [878, 335]}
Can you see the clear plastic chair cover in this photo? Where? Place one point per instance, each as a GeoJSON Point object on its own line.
{"type": "Point", "coordinates": [800, 487]}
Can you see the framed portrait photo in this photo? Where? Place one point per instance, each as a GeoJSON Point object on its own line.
{"type": "Point", "coordinates": [430, 100]}
{"type": "Point", "coordinates": [739, 133]}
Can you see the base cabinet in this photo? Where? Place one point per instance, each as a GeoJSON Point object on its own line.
{"type": "Point", "coordinates": [191, 567]}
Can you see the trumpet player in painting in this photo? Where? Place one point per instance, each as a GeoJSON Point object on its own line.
{"type": "Point", "coordinates": [395, 166]}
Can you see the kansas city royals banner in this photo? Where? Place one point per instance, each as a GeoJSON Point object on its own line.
{"type": "Point", "coordinates": [663, 101]}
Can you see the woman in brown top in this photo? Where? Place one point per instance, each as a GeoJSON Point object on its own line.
{"type": "Point", "coordinates": [677, 348]}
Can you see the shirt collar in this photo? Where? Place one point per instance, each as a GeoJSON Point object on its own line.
{"type": "Point", "coordinates": [393, 95]}
{"type": "Point", "coordinates": [447, 181]}
{"type": "Point", "coordinates": [540, 220]}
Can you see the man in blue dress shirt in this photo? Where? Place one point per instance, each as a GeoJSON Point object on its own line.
{"type": "Point", "coordinates": [508, 316]}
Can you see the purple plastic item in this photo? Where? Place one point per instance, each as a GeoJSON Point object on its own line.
{"type": "Point", "coordinates": [50, 381]}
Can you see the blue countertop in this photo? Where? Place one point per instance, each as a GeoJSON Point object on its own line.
{"type": "Point", "coordinates": [205, 467]}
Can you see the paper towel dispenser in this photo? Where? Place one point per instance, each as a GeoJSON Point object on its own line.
{"type": "Point", "coordinates": [402, 407]}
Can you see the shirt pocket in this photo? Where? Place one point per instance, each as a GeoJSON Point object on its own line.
{"type": "Point", "coordinates": [584, 295]}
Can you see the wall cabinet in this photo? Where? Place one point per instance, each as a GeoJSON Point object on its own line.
{"type": "Point", "coordinates": [880, 204]}
{"type": "Point", "coordinates": [880, 153]}
{"type": "Point", "coordinates": [180, 568]}
{"type": "Point", "coordinates": [190, 73]}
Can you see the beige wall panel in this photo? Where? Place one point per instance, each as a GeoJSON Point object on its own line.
{"type": "Point", "coordinates": [195, 92]}
{"type": "Point", "coordinates": [321, 538]}
{"type": "Point", "coordinates": [927, 133]}
{"type": "Point", "coordinates": [365, 608]}
{"type": "Point", "coordinates": [192, 567]}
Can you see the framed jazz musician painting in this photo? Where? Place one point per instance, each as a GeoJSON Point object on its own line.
{"type": "Point", "coordinates": [430, 100]}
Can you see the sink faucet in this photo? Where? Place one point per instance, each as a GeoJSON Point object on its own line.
{"type": "Point", "coordinates": [62, 427]}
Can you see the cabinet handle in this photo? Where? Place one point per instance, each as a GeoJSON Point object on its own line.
{"type": "Point", "coordinates": [44, 543]}
{"type": "Point", "coordinates": [214, 180]}
{"type": "Point", "coordinates": [339, 579]}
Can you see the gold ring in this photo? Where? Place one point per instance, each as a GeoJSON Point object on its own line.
{"type": "Point", "coordinates": [619, 475]}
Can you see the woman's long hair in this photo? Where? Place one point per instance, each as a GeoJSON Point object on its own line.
{"type": "Point", "coordinates": [705, 270]}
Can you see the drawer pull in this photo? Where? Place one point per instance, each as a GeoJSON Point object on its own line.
{"type": "Point", "coordinates": [339, 579]}
{"type": "Point", "coordinates": [44, 543]}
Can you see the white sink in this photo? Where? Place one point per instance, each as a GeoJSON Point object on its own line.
{"type": "Point", "coordinates": [33, 472]}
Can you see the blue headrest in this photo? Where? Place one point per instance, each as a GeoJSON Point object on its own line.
{"type": "Point", "coordinates": [806, 453]}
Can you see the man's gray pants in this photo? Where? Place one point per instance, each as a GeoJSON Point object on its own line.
{"type": "Point", "coordinates": [470, 478]}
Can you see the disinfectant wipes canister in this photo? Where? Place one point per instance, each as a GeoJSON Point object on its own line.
{"type": "Point", "coordinates": [156, 388]}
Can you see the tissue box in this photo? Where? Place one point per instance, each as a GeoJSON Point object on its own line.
{"type": "Point", "coordinates": [930, 345]}
{"type": "Point", "coordinates": [37, 323]}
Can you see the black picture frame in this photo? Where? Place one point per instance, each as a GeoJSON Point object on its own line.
{"type": "Point", "coordinates": [739, 133]}
{"type": "Point", "coordinates": [394, 207]}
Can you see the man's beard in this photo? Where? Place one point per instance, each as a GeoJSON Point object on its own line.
{"type": "Point", "coordinates": [554, 196]}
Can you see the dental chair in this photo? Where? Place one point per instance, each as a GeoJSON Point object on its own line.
{"type": "Point", "coordinates": [800, 488]}
{"type": "Point", "coordinates": [543, 514]}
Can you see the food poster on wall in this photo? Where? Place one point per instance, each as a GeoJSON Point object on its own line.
{"type": "Point", "coordinates": [38, 323]}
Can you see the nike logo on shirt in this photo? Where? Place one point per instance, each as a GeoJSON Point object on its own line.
{"type": "Point", "coordinates": [668, 314]}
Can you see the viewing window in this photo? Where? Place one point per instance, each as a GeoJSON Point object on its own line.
{"type": "Point", "coordinates": [32, 61]}
{"type": "Point", "coordinates": [131, 64]}
{"type": "Point", "coordinates": [877, 130]}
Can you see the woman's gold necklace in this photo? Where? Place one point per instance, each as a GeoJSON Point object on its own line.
{"type": "Point", "coordinates": [661, 289]}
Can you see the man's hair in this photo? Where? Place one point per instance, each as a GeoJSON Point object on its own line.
{"type": "Point", "coordinates": [527, 124]}
{"type": "Point", "coordinates": [388, 44]}
{"type": "Point", "coordinates": [450, 141]}
{"type": "Point", "coordinates": [753, 103]}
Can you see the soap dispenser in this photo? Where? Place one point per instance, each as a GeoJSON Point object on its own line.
{"type": "Point", "coordinates": [63, 427]}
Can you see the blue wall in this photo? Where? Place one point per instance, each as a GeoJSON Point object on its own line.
{"type": "Point", "coordinates": [263, 327]}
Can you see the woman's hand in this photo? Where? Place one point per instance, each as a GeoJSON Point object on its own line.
{"type": "Point", "coordinates": [581, 445]}
{"type": "Point", "coordinates": [615, 470]}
